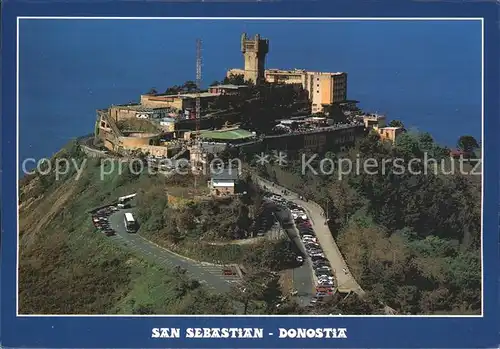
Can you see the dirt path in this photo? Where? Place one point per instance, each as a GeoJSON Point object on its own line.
{"type": "Point", "coordinates": [249, 241]}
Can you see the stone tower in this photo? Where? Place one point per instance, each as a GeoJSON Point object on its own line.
{"type": "Point", "coordinates": [254, 51]}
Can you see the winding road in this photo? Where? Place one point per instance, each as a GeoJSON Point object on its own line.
{"type": "Point", "coordinates": [303, 276]}
{"type": "Point", "coordinates": [345, 280]}
{"type": "Point", "coordinates": [206, 273]}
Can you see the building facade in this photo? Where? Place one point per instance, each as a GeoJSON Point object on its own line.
{"type": "Point", "coordinates": [222, 183]}
{"type": "Point", "coordinates": [229, 90]}
{"type": "Point", "coordinates": [331, 138]}
{"type": "Point", "coordinates": [390, 133]}
{"type": "Point", "coordinates": [178, 102]}
{"type": "Point", "coordinates": [120, 112]}
{"type": "Point", "coordinates": [322, 88]}
{"type": "Point", "coordinates": [326, 89]}
{"type": "Point", "coordinates": [374, 121]}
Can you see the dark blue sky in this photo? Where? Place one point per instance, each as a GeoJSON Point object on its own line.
{"type": "Point", "coordinates": [428, 74]}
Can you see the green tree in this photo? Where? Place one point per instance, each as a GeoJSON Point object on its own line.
{"type": "Point", "coordinates": [235, 79]}
{"type": "Point", "coordinates": [173, 90]}
{"type": "Point", "coordinates": [396, 123]}
{"type": "Point", "coordinates": [190, 86]}
{"type": "Point", "coordinates": [467, 143]}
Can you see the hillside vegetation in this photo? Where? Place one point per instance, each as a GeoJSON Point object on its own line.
{"type": "Point", "coordinates": [204, 229]}
{"type": "Point", "coordinates": [66, 267]}
{"type": "Point", "coordinates": [411, 240]}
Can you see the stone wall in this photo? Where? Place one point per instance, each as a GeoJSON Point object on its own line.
{"type": "Point", "coordinates": [93, 153]}
{"type": "Point", "coordinates": [117, 113]}
{"type": "Point", "coordinates": [135, 140]}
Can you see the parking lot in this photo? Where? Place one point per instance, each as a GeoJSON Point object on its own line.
{"type": "Point", "coordinates": [109, 220]}
{"type": "Point", "coordinates": [324, 279]}
{"type": "Point", "coordinates": [100, 219]}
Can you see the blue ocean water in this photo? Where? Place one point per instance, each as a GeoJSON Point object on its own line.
{"type": "Point", "coordinates": [425, 73]}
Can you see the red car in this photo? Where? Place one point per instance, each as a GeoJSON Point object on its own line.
{"type": "Point", "coordinates": [228, 272]}
{"type": "Point", "coordinates": [324, 289]}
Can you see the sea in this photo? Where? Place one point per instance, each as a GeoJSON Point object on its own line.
{"type": "Point", "coordinates": [424, 73]}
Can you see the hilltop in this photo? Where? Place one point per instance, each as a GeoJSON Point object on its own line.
{"type": "Point", "coordinates": [68, 267]}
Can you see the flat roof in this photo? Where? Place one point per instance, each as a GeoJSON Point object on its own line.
{"type": "Point", "coordinates": [128, 216]}
{"type": "Point", "coordinates": [229, 86]}
{"type": "Point", "coordinates": [139, 107]}
{"type": "Point", "coordinates": [374, 116]}
{"type": "Point", "coordinates": [186, 95]}
{"type": "Point", "coordinates": [390, 128]}
{"type": "Point", "coordinates": [274, 70]}
{"type": "Point", "coordinates": [227, 174]}
{"type": "Point", "coordinates": [290, 121]}
{"type": "Point", "coordinates": [300, 71]}
{"type": "Point", "coordinates": [202, 94]}
{"type": "Point", "coordinates": [226, 134]}
{"type": "Point", "coordinates": [223, 183]}
{"type": "Point", "coordinates": [317, 118]}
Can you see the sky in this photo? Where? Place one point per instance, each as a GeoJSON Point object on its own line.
{"type": "Point", "coordinates": [425, 73]}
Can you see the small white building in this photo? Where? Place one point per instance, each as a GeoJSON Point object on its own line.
{"type": "Point", "coordinates": [222, 182]}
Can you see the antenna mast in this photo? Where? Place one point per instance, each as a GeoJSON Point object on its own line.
{"type": "Point", "coordinates": [198, 86]}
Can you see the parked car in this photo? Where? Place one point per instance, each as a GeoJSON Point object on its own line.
{"type": "Point", "coordinates": [325, 286]}
{"type": "Point", "coordinates": [324, 267]}
{"type": "Point", "coordinates": [317, 248]}
{"type": "Point", "coordinates": [320, 273]}
{"type": "Point", "coordinates": [312, 246]}
{"type": "Point", "coordinates": [314, 249]}
{"type": "Point", "coordinates": [309, 242]}
{"type": "Point", "coordinates": [321, 262]}
{"type": "Point", "coordinates": [228, 271]}
{"type": "Point", "coordinates": [325, 278]}
{"type": "Point", "coordinates": [315, 258]}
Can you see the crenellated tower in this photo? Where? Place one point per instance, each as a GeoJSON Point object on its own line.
{"type": "Point", "coordinates": [254, 52]}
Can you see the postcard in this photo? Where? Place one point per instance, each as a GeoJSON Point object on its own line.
{"type": "Point", "coordinates": [259, 175]}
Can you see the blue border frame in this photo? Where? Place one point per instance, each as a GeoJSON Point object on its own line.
{"type": "Point", "coordinates": [362, 332]}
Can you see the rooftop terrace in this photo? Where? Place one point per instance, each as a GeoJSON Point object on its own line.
{"type": "Point", "coordinates": [184, 95]}
{"type": "Point", "coordinates": [227, 134]}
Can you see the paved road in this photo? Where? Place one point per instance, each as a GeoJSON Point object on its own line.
{"type": "Point", "coordinates": [303, 276]}
{"type": "Point", "coordinates": [345, 280]}
{"type": "Point", "coordinates": [208, 274]}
